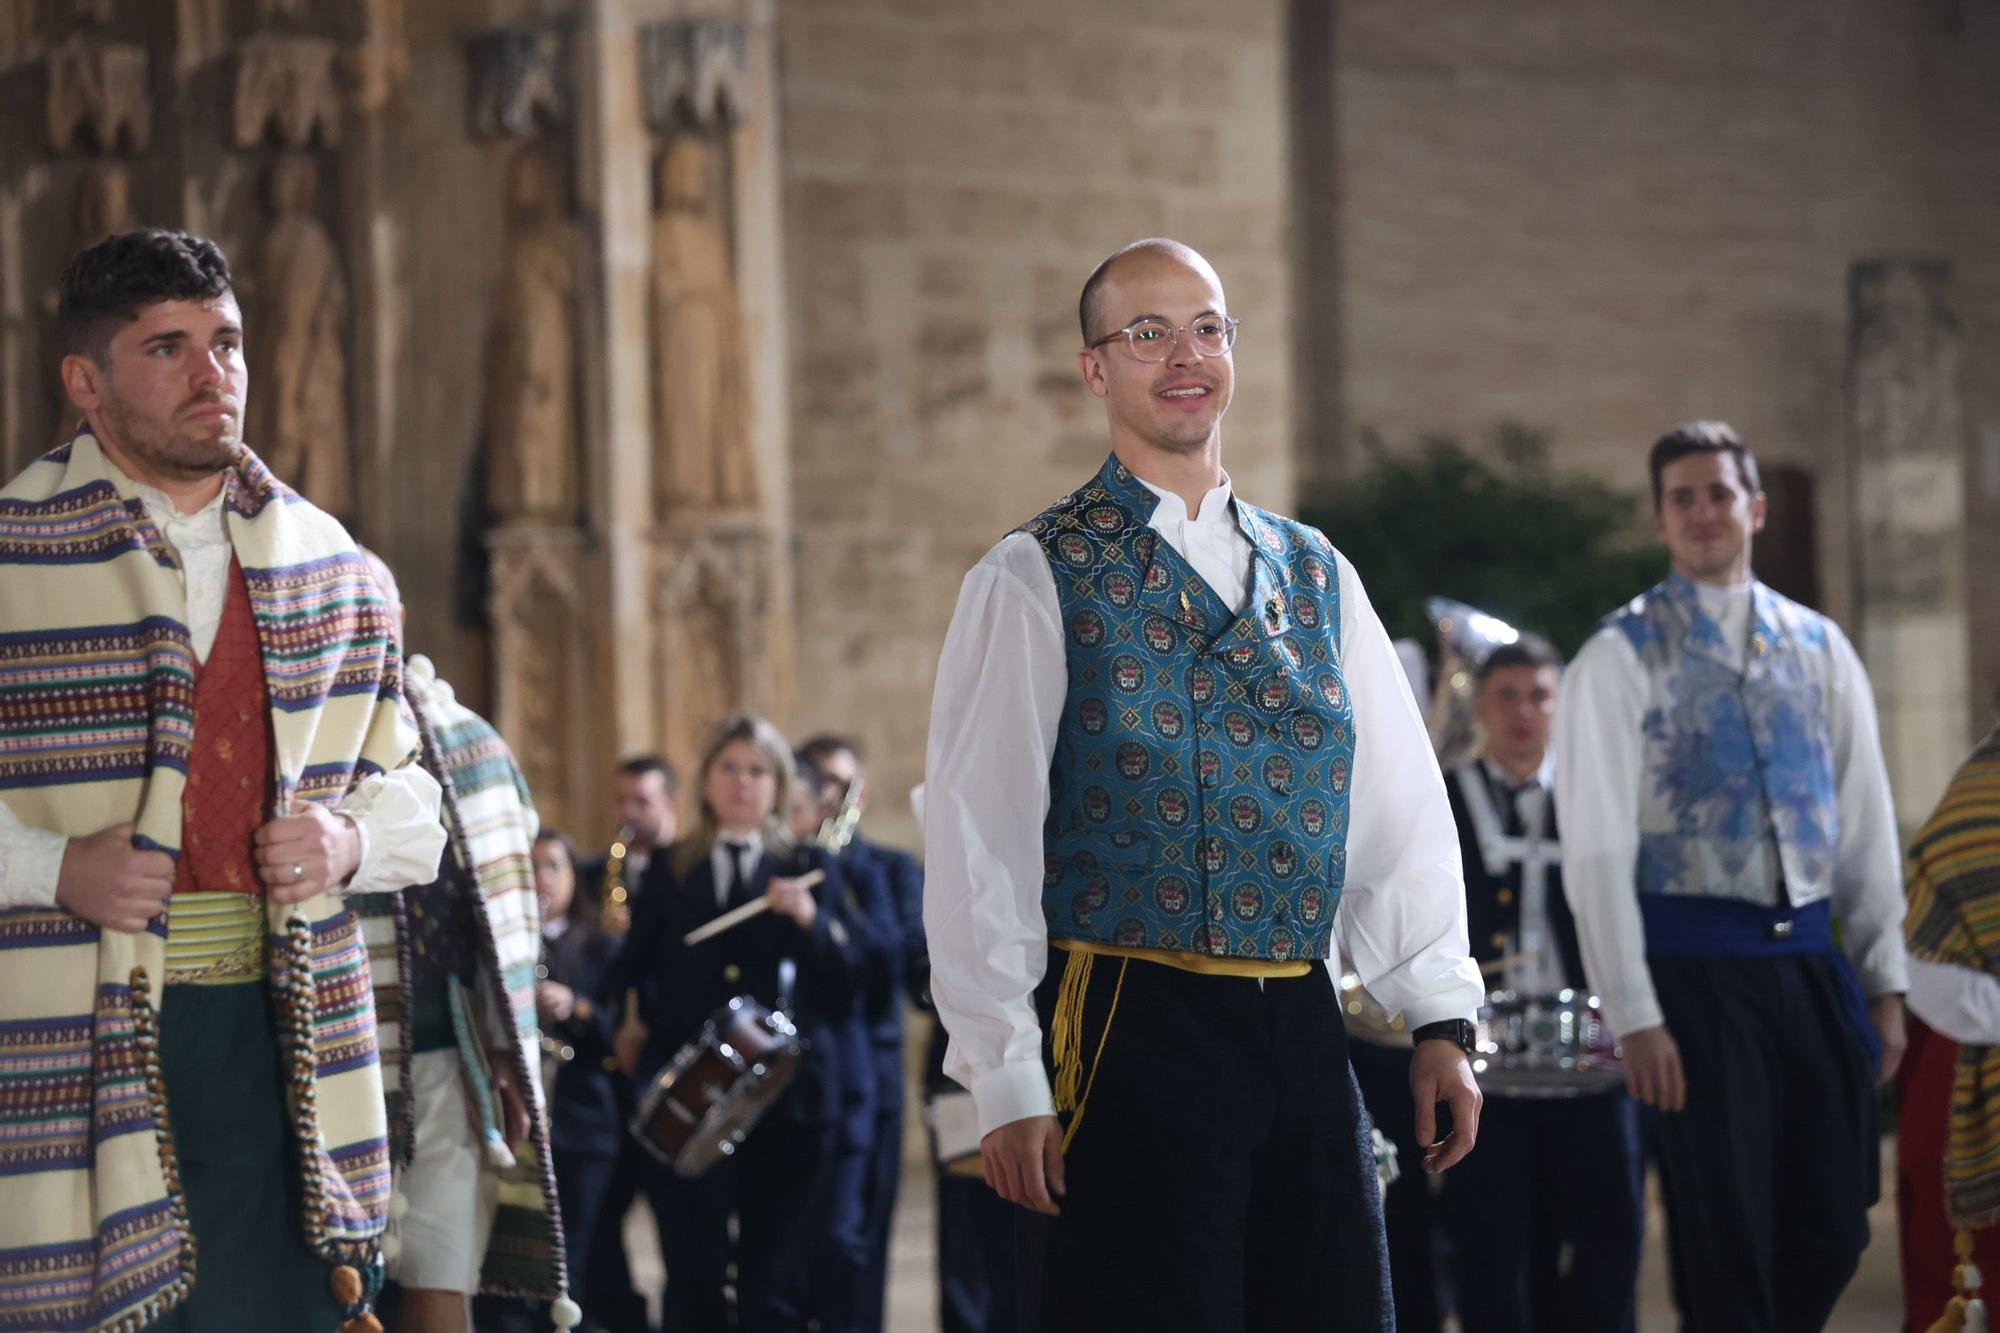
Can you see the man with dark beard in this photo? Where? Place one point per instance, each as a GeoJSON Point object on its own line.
{"type": "Point", "coordinates": [206, 753]}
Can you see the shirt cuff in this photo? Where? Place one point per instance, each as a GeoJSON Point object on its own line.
{"type": "Point", "coordinates": [1009, 1093]}
{"type": "Point", "coordinates": [1437, 1009]}
{"type": "Point", "coordinates": [1634, 1015]}
{"type": "Point", "coordinates": [32, 865]}
{"type": "Point", "coordinates": [402, 838]}
{"type": "Point", "coordinates": [1884, 967]}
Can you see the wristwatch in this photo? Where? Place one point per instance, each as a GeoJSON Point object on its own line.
{"type": "Point", "coordinates": [1458, 1031]}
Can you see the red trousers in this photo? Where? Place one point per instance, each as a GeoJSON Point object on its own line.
{"type": "Point", "coordinates": [1923, 1095]}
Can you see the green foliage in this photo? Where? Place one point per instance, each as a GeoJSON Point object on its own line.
{"type": "Point", "coordinates": [1545, 552]}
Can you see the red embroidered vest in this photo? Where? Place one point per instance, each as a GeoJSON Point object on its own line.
{"type": "Point", "coordinates": [229, 773]}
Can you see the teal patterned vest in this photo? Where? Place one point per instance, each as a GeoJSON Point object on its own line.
{"type": "Point", "coordinates": [1739, 793]}
{"type": "Point", "coordinates": [1198, 793]}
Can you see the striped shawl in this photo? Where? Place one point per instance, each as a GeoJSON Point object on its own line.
{"type": "Point", "coordinates": [1954, 917]}
{"type": "Point", "coordinates": [492, 821]}
{"type": "Point", "coordinates": [96, 719]}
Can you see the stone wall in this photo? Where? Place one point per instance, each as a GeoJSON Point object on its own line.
{"type": "Point", "coordinates": [1599, 222]}
{"type": "Point", "coordinates": [952, 174]}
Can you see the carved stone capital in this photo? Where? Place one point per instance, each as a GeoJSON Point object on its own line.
{"type": "Point", "coordinates": [695, 74]}
{"type": "Point", "coordinates": [286, 92]}
{"type": "Point", "coordinates": [521, 82]}
{"type": "Point", "coordinates": [99, 98]}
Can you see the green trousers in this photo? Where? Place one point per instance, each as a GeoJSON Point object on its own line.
{"type": "Point", "coordinates": [239, 1166]}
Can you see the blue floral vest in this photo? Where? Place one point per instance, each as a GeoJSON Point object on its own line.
{"type": "Point", "coordinates": [1738, 796]}
{"type": "Point", "coordinates": [1198, 793]}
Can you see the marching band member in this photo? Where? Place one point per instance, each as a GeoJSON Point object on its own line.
{"type": "Point", "coordinates": [803, 956]}
{"type": "Point", "coordinates": [1557, 1177]}
{"type": "Point", "coordinates": [903, 979]}
{"type": "Point", "coordinates": [588, 1107]}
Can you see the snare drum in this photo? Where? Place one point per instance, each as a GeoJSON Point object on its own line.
{"type": "Point", "coordinates": [954, 1122]}
{"type": "Point", "coordinates": [703, 1105]}
{"type": "Point", "coordinates": [1544, 1046]}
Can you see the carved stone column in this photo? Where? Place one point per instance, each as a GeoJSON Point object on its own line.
{"type": "Point", "coordinates": [539, 605]}
{"type": "Point", "coordinates": [1907, 438]}
{"type": "Point", "coordinates": [719, 418]}
{"type": "Point", "coordinates": [546, 598]}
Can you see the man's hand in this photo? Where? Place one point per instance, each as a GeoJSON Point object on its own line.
{"type": "Point", "coordinates": [554, 1001]}
{"type": "Point", "coordinates": [513, 1104]}
{"type": "Point", "coordinates": [1439, 1072]}
{"type": "Point", "coordinates": [110, 883]}
{"type": "Point", "coordinates": [793, 898]}
{"type": "Point", "coordinates": [306, 852]}
{"type": "Point", "coordinates": [1886, 1013]}
{"type": "Point", "coordinates": [1024, 1162]}
{"type": "Point", "coordinates": [1653, 1068]}
{"type": "Point", "coordinates": [629, 1043]}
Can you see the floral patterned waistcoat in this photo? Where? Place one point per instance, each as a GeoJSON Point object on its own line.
{"type": "Point", "coordinates": [1737, 798]}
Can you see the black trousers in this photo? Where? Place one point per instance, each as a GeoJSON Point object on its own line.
{"type": "Point", "coordinates": [1410, 1209]}
{"type": "Point", "coordinates": [1769, 1172]}
{"type": "Point", "coordinates": [1546, 1217]}
{"type": "Point", "coordinates": [885, 1175]}
{"type": "Point", "coordinates": [1221, 1179]}
{"type": "Point", "coordinates": [583, 1181]}
{"type": "Point", "coordinates": [977, 1288]}
{"type": "Point", "coordinates": [239, 1167]}
{"type": "Point", "coordinates": [610, 1300]}
{"type": "Point", "coordinates": [771, 1186]}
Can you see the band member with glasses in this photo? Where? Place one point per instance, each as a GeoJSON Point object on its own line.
{"type": "Point", "coordinates": [1169, 739]}
{"type": "Point", "coordinates": [803, 955]}
{"type": "Point", "coordinates": [1721, 790]}
{"type": "Point", "coordinates": [1545, 1221]}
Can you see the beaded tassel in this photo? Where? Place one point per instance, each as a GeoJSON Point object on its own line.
{"type": "Point", "coordinates": [1965, 1313]}
{"type": "Point", "coordinates": [146, 1033]}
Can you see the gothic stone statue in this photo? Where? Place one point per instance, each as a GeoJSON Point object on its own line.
{"type": "Point", "coordinates": [530, 387]}
{"type": "Point", "coordinates": [701, 416]}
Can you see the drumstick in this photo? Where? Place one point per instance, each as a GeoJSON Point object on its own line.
{"type": "Point", "coordinates": [736, 916]}
{"type": "Point", "coordinates": [1501, 964]}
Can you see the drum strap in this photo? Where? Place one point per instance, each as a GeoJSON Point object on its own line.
{"type": "Point", "coordinates": [1066, 1037]}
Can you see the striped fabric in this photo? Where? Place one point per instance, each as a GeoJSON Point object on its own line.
{"type": "Point", "coordinates": [497, 826]}
{"type": "Point", "coordinates": [1954, 917]}
{"type": "Point", "coordinates": [96, 718]}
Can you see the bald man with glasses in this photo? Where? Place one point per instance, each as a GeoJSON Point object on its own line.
{"type": "Point", "coordinates": [1170, 738]}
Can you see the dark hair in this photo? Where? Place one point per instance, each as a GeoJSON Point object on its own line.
{"type": "Point", "coordinates": [557, 835]}
{"type": "Point", "coordinates": [1530, 650]}
{"type": "Point", "coordinates": [809, 774]}
{"type": "Point", "coordinates": [639, 765]}
{"type": "Point", "coordinates": [1702, 437]}
{"type": "Point", "coordinates": [584, 909]}
{"type": "Point", "coordinates": [106, 286]}
{"type": "Point", "coordinates": [1086, 303]}
{"type": "Point", "coordinates": [818, 749]}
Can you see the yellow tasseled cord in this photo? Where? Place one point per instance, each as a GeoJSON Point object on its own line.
{"type": "Point", "coordinates": [1066, 1030]}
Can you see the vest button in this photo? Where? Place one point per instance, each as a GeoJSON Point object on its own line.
{"type": "Point", "coordinates": [732, 974]}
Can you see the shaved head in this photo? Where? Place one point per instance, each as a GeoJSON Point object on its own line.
{"type": "Point", "coordinates": [1088, 312]}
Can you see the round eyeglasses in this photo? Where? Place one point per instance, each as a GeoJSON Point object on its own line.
{"type": "Point", "coordinates": [1154, 339]}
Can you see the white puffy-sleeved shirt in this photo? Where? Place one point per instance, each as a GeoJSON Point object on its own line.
{"type": "Point", "coordinates": [1600, 756]}
{"type": "Point", "coordinates": [1001, 685]}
